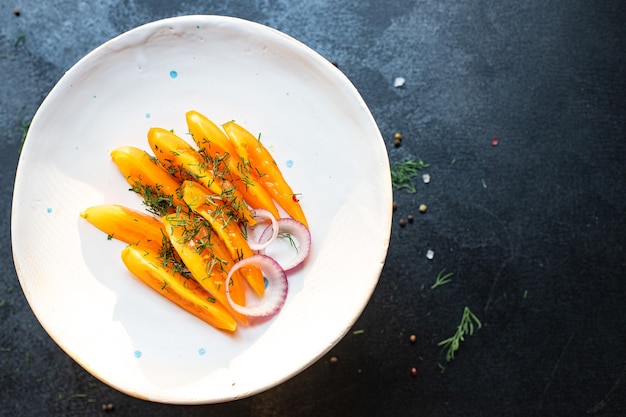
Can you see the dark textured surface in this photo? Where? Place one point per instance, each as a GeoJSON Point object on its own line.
{"type": "Point", "coordinates": [533, 229]}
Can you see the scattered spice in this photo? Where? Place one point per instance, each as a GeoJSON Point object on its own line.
{"type": "Point", "coordinates": [426, 178]}
{"type": "Point", "coordinates": [333, 359]}
{"type": "Point", "coordinates": [402, 222]}
{"type": "Point", "coordinates": [423, 208]}
{"type": "Point", "coordinates": [107, 407]}
{"type": "Point", "coordinates": [466, 327]}
{"type": "Point", "coordinates": [360, 331]}
{"type": "Point", "coordinates": [397, 139]}
{"type": "Point", "coordinates": [412, 339]}
{"type": "Point", "coordinates": [395, 206]}
{"type": "Point", "coordinates": [413, 372]}
{"type": "Point", "coordinates": [430, 254]}
{"type": "Point", "coordinates": [410, 218]}
{"type": "Point", "coordinates": [16, 11]}
{"type": "Point", "coordinates": [494, 141]}
{"type": "Point", "coordinates": [402, 174]}
{"type": "Point", "coordinates": [399, 82]}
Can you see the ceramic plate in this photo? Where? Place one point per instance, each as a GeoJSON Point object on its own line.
{"type": "Point", "coordinates": [322, 136]}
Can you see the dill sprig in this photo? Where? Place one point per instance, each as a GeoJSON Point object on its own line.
{"type": "Point", "coordinates": [466, 327]}
{"type": "Point", "coordinates": [442, 279]}
{"type": "Point", "coordinates": [291, 240]}
{"type": "Point", "coordinates": [402, 174]}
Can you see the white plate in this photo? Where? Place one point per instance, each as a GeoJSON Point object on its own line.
{"type": "Point", "coordinates": [324, 139]}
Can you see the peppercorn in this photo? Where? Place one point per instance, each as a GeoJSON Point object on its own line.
{"type": "Point", "coordinates": [412, 338]}
{"type": "Point", "coordinates": [16, 11]}
{"type": "Point", "coordinates": [333, 359]}
{"type": "Point", "coordinates": [397, 139]}
{"type": "Point", "coordinates": [413, 372]}
{"type": "Point", "coordinates": [395, 206]}
{"type": "Point", "coordinates": [410, 218]}
{"type": "Point", "coordinates": [402, 222]}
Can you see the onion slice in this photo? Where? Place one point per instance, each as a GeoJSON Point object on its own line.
{"type": "Point", "coordinates": [275, 294]}
{"type": "Point", "coordinates": [301, 234]}
{"type": "Point", "coordinates": [267, 239]}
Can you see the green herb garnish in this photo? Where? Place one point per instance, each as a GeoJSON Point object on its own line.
{"type": "Point", "coordinates": [291, 240]}
{"type": "Point", "coordinates": [402, 174]}
{"type": "Point", "coordinates": [442, 279]}
{"type": "Point", "coordinates": [466, 327]}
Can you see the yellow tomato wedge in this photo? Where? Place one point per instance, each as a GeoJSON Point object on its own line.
{"type": "Point", "coordinates": [199, 249]}
{"type": "Point", "coordinates": [184, 162]}
{"type": "Point", "coordinates": [212, 141]}
{"type": "Point", "coordinates": [146, 176]}
{"type": "Point", "coordinates": [204, 203]}
{"type": "Point", "coordinates": [128, 225]}
{"type": "Point", "coordinates": [184, 292]}
{"type": "Point", "coordinates": [265, 169]}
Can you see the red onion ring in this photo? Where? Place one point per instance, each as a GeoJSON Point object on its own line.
{"type": "Point", "coordinates": [275, 293]}
{"type": "Point", "coordinates": [301, 234]}
{"type": "Point", "coordinates": [261, 244]}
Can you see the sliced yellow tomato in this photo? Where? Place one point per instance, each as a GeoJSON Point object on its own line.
{"type": "Point", "coordinates": [126, 224]}
{"type": "Point", "coordinates": [184, 292]}
{"type": "Point", "coordinates": [213, 142]}
{"type": "Point", "coordinates": [265, 169]}
{"type": "Point", "coordinates": [201, 201]}
{"type": "Point", "coordinates": [203, 253]}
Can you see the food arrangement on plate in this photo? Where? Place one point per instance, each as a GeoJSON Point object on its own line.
{"type": "Point", "coordinates": [136, 264]}
{"type": "Point", "coordinates": [198, 249]}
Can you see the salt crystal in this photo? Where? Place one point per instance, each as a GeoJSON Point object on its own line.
{"type": "Point", "coordinates": [426, 178]}
{"type": "Point", "coordinates": [430, 254]}
{"type": "Point", "coordinates": [399, 82]}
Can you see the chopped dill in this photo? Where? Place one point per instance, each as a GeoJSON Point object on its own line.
{"type": "Point", "coordinates": [155, 200]}
{"type": "Point", "coordinates": [466, 327]}
{"type": "Point", "coordinates": [21, 38]}
{"type": "Point", "coordinates": [402, 174]}
{"type": "Point", "coordinates": [289, 237]}
{"type": "Point", "coordinates": [442, 279]}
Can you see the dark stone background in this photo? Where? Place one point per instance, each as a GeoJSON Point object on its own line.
{"type": "Point", "coordinates": [533, 229]}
